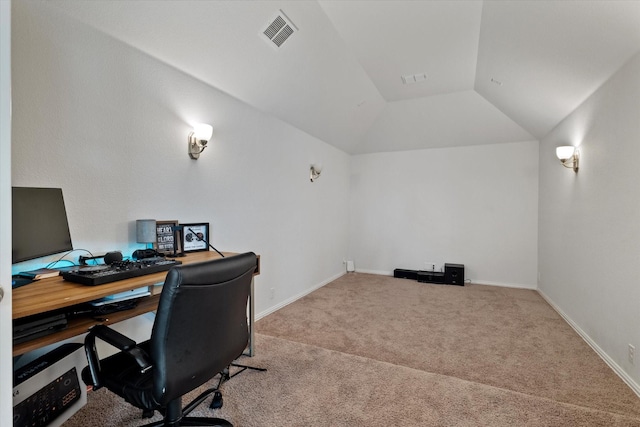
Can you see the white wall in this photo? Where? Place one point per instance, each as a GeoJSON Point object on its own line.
{"type": "Point", "coordinates": [6, 374]}
{"type": "Point", "coordinates": [109, 124]}
{"type": "Point", "coordinates": [589, 244]}
{"type": "Point", "coordinates": [475, 206]}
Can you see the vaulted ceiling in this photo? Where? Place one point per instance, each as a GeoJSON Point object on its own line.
{"type": "Point", "coordinates": [479, 72]}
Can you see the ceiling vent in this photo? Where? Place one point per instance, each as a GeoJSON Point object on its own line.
{"type": "Point", "coordinates": [410, 79]}
{"type": "Point", "coordinates": [279, 30]}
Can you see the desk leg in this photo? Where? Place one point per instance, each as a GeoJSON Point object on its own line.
{"type": "Point", "coordinates": [252, 317]}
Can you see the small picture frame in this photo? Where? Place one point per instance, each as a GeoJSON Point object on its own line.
{"type": "Point", "coordinates": [168, 240]}
{"type": "Point", "coordinates": [195, 237]}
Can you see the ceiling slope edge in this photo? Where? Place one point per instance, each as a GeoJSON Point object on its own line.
{"type": "Point", "coordinates": [452, 120]}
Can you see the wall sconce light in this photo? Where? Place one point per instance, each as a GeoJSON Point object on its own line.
{"type": "Point", "coordinates": [198, 138]}
{"type": "Point", "coordinates": [569, 156]}
{"type": "Point", "coordinates": [314, 172]}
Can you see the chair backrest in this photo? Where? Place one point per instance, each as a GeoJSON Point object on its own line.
{"type": "Point", "coordinates": [201, 323]}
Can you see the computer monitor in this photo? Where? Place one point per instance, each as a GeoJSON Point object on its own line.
{"type": "Point", "coordinates": [40, 226]}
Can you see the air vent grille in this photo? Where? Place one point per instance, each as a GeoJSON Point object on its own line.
{"type": "Point", "coordinates": [275, 26]}
{"type": "Point", "coordinates": [282, 36]}
{"type": "Point", "coordinates": [410, 79]}
{"type": "Point", "coordinates": [279, 30]}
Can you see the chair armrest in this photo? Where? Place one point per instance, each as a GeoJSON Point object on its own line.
{"type": "Point", "coordinates": [116, 339]}
{"type": "Point", "coordinates": [113, 337]}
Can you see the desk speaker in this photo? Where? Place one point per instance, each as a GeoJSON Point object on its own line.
{"type": "Point", "coordinates": [111, 257]}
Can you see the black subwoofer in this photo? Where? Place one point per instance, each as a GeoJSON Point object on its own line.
{"type": "Point", "coordinates": [454, 274]}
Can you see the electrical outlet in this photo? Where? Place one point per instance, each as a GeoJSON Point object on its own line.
{"type": "Point", "coordinates": [632, 353]}
{"type": "Point", "coordinates": [272, 293]}
{"type": "Point", "coordinates": [430, 266]}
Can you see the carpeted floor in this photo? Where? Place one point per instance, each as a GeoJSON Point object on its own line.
{"type": "Point", "coordinates": [370, 350]}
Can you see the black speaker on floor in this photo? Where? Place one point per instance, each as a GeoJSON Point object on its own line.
{"type": "Point", "coordinates": [431, 277]}
{"type": "Point", "coordinates": [454, 274]}
{"type": "Point", "coordinates": [405, 274]}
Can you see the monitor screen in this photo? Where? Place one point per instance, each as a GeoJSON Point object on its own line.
{"type": "Point", "coordinates": [40, 226]}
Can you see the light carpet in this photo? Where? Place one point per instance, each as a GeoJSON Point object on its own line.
{"type": "Point", "coordinates": [504, 337]}
{"type": "Point", "coordinates": [370, 350]}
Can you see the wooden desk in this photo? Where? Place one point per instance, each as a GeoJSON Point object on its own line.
{"type": "Point", "coordinates": [56, 293]}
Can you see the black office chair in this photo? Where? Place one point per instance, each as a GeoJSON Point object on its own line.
{"type": "Point", "coordinates": [199, 330]}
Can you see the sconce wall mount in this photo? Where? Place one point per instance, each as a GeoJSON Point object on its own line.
{"type": "Point", "coordinates": [198, 138]}
{"type": "Point", "coordinates": [314, 172]}
{"type": "Point", "coordinates": [569, 157]}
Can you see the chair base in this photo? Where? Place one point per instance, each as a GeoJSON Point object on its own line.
{"type": "Point", "coordinates": [176, 416]}
{"type": "Point", "coordinates": [242, 369]}
{"type": "Point", "coordinates": [192, 421]}
{"type": "Point", "coordinates": [183, 420]}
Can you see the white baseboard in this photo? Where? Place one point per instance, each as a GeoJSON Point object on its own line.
{"type": "Point", "coordinates": [473, 281]}
{"type": "Point", "coordinates": [504, 285]}
{"type": "Point", "coordinates": [377, 272]}
{"type": "Point", "coordinates": [600, 352]}
{"type": "Point", "coordinates": [296, 297]}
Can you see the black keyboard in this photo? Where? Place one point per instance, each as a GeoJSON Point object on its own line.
{"type": "Point", "coordinates": [120, 270]}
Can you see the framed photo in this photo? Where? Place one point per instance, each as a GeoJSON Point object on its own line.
{"type": "Point", "coordinates": [167, 241]}
{"type": "Point", "coordinates": [195, 237]}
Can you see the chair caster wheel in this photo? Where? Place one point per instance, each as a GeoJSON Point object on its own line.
{"type": "Point", "coordinates": [216, 402]}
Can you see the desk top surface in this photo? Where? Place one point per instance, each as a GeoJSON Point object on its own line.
{"type": "Point", "coordinates": [55, 292]}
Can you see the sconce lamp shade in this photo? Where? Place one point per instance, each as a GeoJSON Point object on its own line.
{"type": "Point", "coordinates": [569, 157]}
{"type": "Point", "coordinates": [565, 152]}
{"type": "Point", "coordinates": [202, 131]}
{"type": "Point", "coordinates": [198, 138]}
{"type": "Point", "coordinates": [146, 230]}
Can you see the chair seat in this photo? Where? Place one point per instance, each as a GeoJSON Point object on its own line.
{"type": "Point", "coordinates": [121, 375]}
